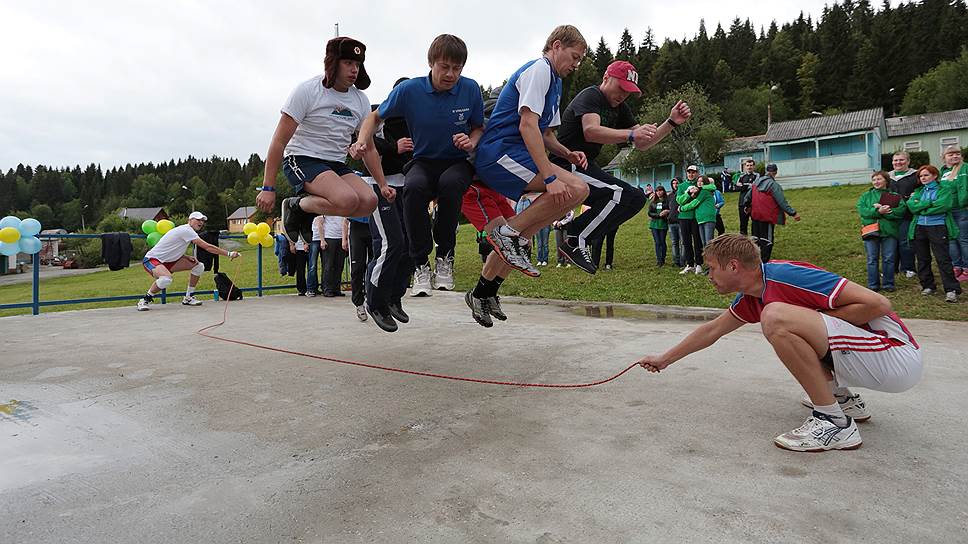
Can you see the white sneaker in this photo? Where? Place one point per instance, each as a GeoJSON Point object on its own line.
{"type": "Point", "coordinates": [361, 313]}
{"type": "Point", "coordinates": [685, 270]}
{"type": "Point", "coordinates": [144, 305]}
{"type": "Point", "coordinates": [853, 406]}
{"type": "Point", "coordinates": [443, 277]}
{"type": "Point", "coordinates": [951, 296]}
{"type": "Point", "coordinates": [698, 269]}
{"type": "Point", "coordinates": [909, 274]}
{"type": "Point", "coordinates": [558, 265]}
{"type": "Point", "coordinates": [820, 434]}
{"type": "Point", "coordinates": [421, 282]}
{"type": "Point", "coordinates": [927, 291]}
{"type": "Point", "coordinates": [190, 300]}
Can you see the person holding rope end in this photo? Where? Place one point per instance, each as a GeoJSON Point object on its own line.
{"type": "Point", "coordinates": [314, 132]}
{"type": "Point", "coordinates": [829, 332]}
{"type": "Point", "coordinates": [168, 256]}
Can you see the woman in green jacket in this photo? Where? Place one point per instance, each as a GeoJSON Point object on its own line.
{"type": "Point", "coordinates": [884, 208]}
{"type": "Point", "coordinates": [931, 228]}
{"type": "Point", "coordinates": [703, 203]}
{"type": "Point", "coordinates": [658, 222]}
{"type": "Point", "coordinates": [955, 173]}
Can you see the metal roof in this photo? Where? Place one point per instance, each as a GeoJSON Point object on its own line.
{"type": "Point", "coordinates": [927, 122]}
{"type": "Point", "coordinates": [139, 213]}
{"type": "Point", "coordinates": [746, 143]}
{"type": "Point", "coordinates": [244, 212]}
{"type": "Point", "coordinates": [826, 125]}
{"type": "Point", "coordinates": [616, 161]}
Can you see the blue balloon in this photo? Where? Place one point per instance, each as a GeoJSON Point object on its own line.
{"type": "Point", "coordinates": [10, 221]}
{"type": "Point", "coordinates": [9, 250]}
{"type": "Point", "coordinates": [29, 245]}
{"type": "Point", "coordinates": [29, 227]}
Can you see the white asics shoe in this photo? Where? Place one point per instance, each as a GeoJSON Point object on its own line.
{"type": "Point", "coordinates": [421, 282]}
{"type": "Point", "coordinates": [190, 300]}
{"type": "Point", "coordinates": [444, 274]}
{"type": "Point", "coordinates": [910, 274]}
{"type": "Point", "coordinates": [685, 270]}
{"type": "Point", "coordinates": [698, 269]}
{"type": "Point", "coordinates": [853, 407]}
{"type": "Point", "coordinates": [361, 313]}
{"type": "Point", "coordinates": [818, 433]}
{"type": "Point", "coordinates": [144, 305]}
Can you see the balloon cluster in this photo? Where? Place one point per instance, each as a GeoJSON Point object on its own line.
{"type": "Point", "coordinates": [155, 230]}
{"type": "Point", "coordinates": [18, 236]}
{"type": "Point", "coordinates": [258, 234]}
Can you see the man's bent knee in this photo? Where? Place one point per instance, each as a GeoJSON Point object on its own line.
{"type": "Point", "coordinates": [198, 269]}
{"type": "Point", "coordinates": [163, 282]}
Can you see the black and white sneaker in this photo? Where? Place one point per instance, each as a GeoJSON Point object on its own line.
{"type": "Point", "coordinates": [578, 256]}
{"type": "Point", "coordinates": [479, 309]}
{"type": "Point", "coordinates": [396, 311]}
{"type": "Point", "coordinates": [494, 308]}
{"type": "Point", "coordinates": [511, 250]}
{"type": "Point", "coordinates": [292, 219]}
{"type": "Point", "coordinates": [383, 319]}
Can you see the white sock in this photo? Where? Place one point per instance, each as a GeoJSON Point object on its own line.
{"type": "Point", "coordinates": [189, 291]}
{"type": "Point", "coordinates": [506, 230]}
{"type": "Point", "coordinates": [834, 412]}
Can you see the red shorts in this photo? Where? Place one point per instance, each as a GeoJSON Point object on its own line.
{"type": "Point", "coordinates": [151, 264]}
{"type": "Point", "coordinates": [482, 205]}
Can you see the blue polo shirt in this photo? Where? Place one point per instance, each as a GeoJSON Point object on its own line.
{"type": "Point", "coordinates": [435, 116]}
{"type": "Point", "coordinates": [535, 85]}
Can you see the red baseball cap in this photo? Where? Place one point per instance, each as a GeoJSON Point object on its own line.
{"type": "Point", "coordinates": [626, 75]}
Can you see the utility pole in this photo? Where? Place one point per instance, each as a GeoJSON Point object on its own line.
{"type": "Point", "coordinates": [337, 30]}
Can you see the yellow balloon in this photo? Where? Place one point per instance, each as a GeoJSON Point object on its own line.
{"type": "Point", "coordinates": [267, 241]}
{"type": "Point", "coordinates": [164, 226]}
{"type": "Point", "coordinates": [9, 235]}
{"type": "Point", "coordinates": [248, 228]}
{"type": "Point", "coordinates": [262, 229]}
{"type": "Point", "coordinates": [253, 238]}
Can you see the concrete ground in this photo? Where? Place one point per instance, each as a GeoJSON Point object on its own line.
{"type": "Point", "coordinates": [118, 426]}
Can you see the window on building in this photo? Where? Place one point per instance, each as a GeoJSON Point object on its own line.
{"type": "Point", "coordinates": [912, 146]}
{"type": "Point", "coordinates": [945, 142]}
{"type": "Point", "coordinates": [845, 145]}
{"type": "Point", "coordinates": [791, 152]}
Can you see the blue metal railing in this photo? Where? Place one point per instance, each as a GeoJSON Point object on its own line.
{"type": "Point", "coordinates": [35, 304]}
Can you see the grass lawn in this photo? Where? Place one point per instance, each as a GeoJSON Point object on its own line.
{"type": "Point", "coordinates": [827, 236]}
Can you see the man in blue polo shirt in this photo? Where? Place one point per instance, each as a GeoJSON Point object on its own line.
{"type": "Point", "coordinates": [445, 114]}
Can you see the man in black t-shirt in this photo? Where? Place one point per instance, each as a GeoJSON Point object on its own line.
{"type": "Point", "coordinates": [598, 116]}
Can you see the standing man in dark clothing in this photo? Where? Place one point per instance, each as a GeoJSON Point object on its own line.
{"type": "Point", "coordinates": [743, 185]}
{"type": "Point", "coordinates": [597, 116]}
{"type": "Point", "coordinates": [904, 180]}
{"type": "Point", "coordinates": [768, 207]}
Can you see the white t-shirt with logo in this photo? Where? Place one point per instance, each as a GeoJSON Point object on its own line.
{"type": "Point", "coordinates": [327, 119]}
{"type": "Point", "coordinates": [173, 244]}
{"type": "Point", "coordinates": [333, 226]}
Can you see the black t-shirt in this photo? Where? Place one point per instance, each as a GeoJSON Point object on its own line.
{"type": "Point", "coordinates": [591, 100]}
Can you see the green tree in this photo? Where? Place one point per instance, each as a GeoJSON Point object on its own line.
{"type": "Point", "coordinates": [807, 78]}
{"type": "Point", "coordinates": [698, 141]}
{"type": "Point", "coordinates": [745, 113]}
{"type": "Point", "coordinates": [603, 57]}
{"type": "Point", "coordinates": [147, 190]}
{"type": "Point", "coordinates": [940, 89]}
{"type": "Point", "coordinates": [626, 47]}
{"type": "Point", "coordinates": [44, 214]}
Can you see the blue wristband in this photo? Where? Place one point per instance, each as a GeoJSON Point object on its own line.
{"type": "Point", "coordinates": [631, 137]}
{"type": "Point", "coordinates": [550, 178]}
{"type": "Point", "coordinates": [267, 188]}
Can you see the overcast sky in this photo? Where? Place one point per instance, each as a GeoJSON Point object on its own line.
{"type": "Point", "coordinates": [113, 82]}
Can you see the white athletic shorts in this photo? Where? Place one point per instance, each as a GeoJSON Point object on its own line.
{"type": "Point", "coordinates": [865, 359]}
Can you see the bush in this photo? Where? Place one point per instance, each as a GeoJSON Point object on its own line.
{"type": "Point", "coordinates": [86, 252]}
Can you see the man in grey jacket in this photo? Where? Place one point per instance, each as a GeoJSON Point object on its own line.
{"type": "Point", "coordinates": [774, 212]}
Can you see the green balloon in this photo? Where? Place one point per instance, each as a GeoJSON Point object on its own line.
{"type": "Point", "coordinates": [149, 226]}
{"type": "Point", "coordinates": [153, 238]}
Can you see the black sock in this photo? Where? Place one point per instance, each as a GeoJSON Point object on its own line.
{"type": "Point", "coordinates": [486, 288]}
{"type": "Point", "coordinates": [497, 281]}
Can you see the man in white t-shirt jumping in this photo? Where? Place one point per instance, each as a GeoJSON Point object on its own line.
{"type": "Point", "coordinates": [168, 256]}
